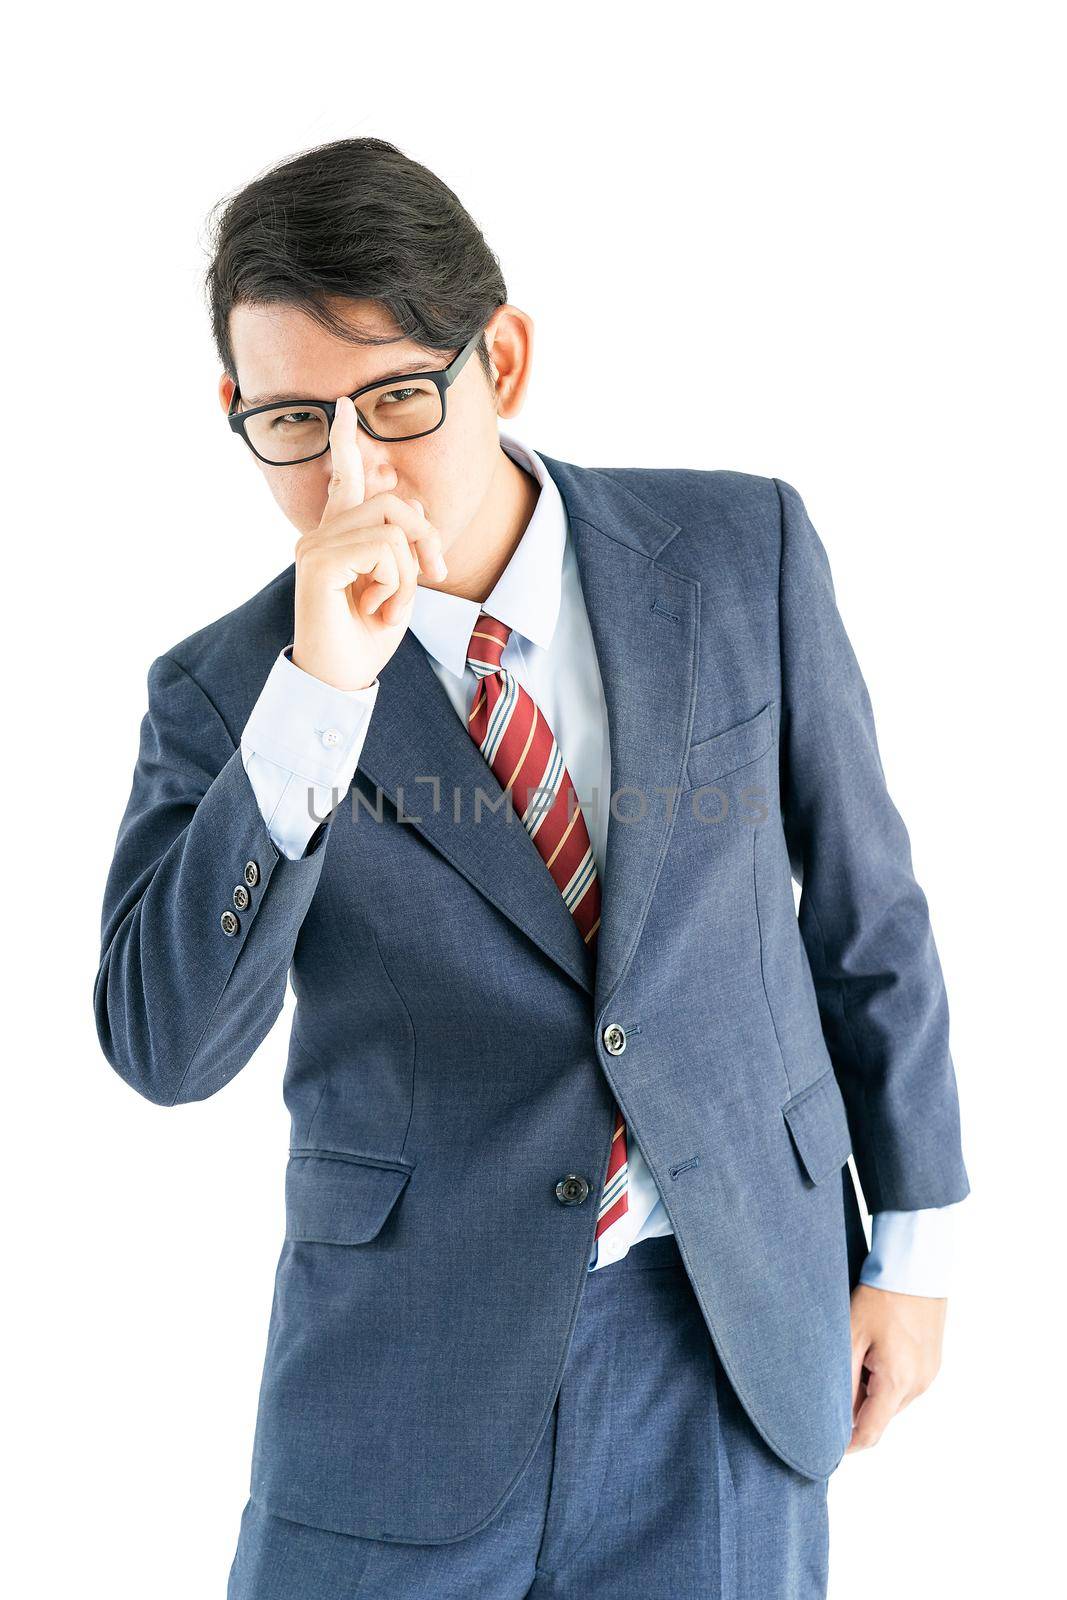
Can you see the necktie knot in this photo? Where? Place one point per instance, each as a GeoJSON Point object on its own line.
{"type": "Point", "coordinates": [486, 645]}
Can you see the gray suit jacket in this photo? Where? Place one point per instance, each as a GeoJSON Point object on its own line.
{"type": "Point", "coordinates": [455, 1053]}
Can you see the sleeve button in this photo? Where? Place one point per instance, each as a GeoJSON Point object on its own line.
{"type": "Point", "coordinates": [241, 898]}
{"type": "Point", "coordinates": [251, 874]}
{"type": "Point", "coordinates": [230, 924]}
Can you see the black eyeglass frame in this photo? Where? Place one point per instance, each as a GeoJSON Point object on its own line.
{"type": "Point", "coordinates": [444, 377]}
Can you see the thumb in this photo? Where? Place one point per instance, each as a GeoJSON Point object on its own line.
{"type": "Point", "coordinates": [347, 483]}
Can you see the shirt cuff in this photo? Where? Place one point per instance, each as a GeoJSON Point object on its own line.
{"type": "Point", "coordinates": [297, 775]}
{"type": "Point", "coordinates": [912, 1251]}
{"type": "Point", "coordinates": [306, 726]}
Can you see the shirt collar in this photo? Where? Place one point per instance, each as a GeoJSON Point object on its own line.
{"type": "Point", "coordinates": [526, 596]}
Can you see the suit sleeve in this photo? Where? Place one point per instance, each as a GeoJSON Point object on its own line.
{"type": "Point", "coordinates": [863, 918]}
{"type": "Point", "coordinates": [181, 1003]}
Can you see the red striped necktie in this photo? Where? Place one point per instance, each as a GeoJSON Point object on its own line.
{"type": "Point", "coordinates": [521, 749]}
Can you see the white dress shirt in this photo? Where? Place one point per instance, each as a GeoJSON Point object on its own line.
{"type": "Point", "coordinates": [305, 735]}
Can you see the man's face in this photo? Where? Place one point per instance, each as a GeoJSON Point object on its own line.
{"type": "Point", "coordinates": [279, 350]}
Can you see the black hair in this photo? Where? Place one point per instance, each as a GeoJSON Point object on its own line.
{"type": "Point", "coordinates": [355, 218]}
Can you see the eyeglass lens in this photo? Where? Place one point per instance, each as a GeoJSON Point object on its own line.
{"type": "Point", "coordinates": [292, 433]}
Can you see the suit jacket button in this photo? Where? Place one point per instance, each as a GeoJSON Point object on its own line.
{"type": "Point", "coordinates": [241, 897]}
{"type": "Point", "coordinates": [230, 923]}
{"type": "Point", "coordinates": [251, 874]}
{"type": "Point", "coordinates": [571, 1190]}
{"type": "Point", "coordinates": [614, 1039]}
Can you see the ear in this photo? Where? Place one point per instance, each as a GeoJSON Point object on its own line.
{"type": "Point", "coordinates": [226, 387]}
{"type": "Point", "coordinates": [512, 333]}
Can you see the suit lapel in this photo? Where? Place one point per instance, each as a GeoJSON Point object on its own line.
{"type": "Point", "coordinates": [414, 733]}
{"type": "Point", "coordinates": [644, 621]}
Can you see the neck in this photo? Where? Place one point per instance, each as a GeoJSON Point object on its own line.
{"type": "Point", "coordinates": [479, 556]}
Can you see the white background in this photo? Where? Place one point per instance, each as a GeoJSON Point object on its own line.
{"type": "Point", "coordinates": [822, 238]}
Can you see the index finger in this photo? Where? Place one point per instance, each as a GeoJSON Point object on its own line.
{"type": "Point", "coordinates": [347, 483]}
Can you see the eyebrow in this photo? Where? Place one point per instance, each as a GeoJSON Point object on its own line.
{"type": "Point", "coordinates": [386, 377]}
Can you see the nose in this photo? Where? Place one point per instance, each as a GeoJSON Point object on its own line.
{"type": "Point", "coordinates": [377, 467]}
{"type": "Point", "coordinates": [379, 474]}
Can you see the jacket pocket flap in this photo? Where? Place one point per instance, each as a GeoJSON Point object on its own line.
{"type": "Point", "coordinates": [818, 1122]}
{"type": "Point", "coordinates": [734, 747]}
{"type": "Point", "coordinates": [339, 1199]}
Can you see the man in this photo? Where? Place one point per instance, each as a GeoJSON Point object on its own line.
{"type": "Point", "coordinates": [512, 769]}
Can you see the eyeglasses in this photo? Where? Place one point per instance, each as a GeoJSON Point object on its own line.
{"type": "Point", "coordinates": [408, 406]}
